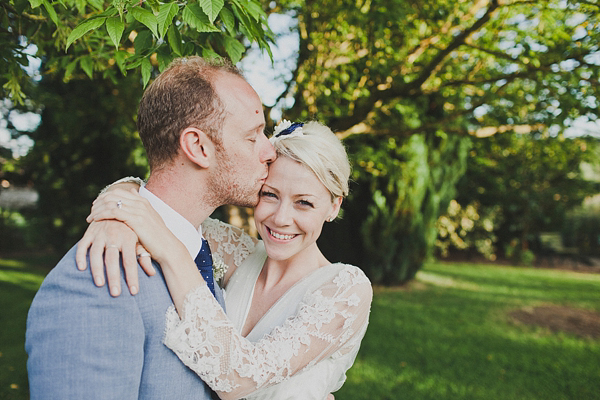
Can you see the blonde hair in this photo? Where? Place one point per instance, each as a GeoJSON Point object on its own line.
{"type": "Point", "coordinates": [322, 152]}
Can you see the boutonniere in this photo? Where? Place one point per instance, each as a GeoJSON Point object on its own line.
{"type": "Point", "coordinates": [219, 269]}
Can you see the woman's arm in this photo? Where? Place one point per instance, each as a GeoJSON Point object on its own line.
{"type": "Point", "coordinates": [229, 245]}
{"type": "Point", "coordinates": [332, 319]}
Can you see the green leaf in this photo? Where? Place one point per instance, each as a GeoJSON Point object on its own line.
{"type": "Point", "coordinates": [164, 56]}
{"type": "Point", "coordinates": [80, 5]}
{"type": "Point", "coordinates": [51, 12]}
{"type": "Point", "coordinates": [209, 54]}
{"type": "Point", "coordinates": [211, 8]}
{"type": "Point", "coordinates": [88, 66]}
{"type": "Point", "coordinates": [165, 17]}
{"type": "Point", "coordinates": [115, 28]}
{"type": "Point", "coordinates": [69, 70]}
{"type": "Point", "coordinates": [255, 10]}
{"type": "Point", "coordinates": [142, 42]}
{"type": "Point", "coordinates": [145, 17]}
{"type": "Point", "coordinates": [195, 17]}
{"type": "Point", "coordinates": [146, 71]}
{"type": "Point", "coordinates": [234, 48]}
{"type": "Point", "coordinates": [97, 4]}
{"type": "Point", "coordinates": [174, 39]}
{"type": "Point", "coordinates": [120, 57]}
{"type": "Point", "coordinates": [83, 28]}
{"type": "Point", "coordinates": [229, 20]}
{"type": "Point", "coordinates": [35, 3]}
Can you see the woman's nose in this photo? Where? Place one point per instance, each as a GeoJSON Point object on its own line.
{"type": "Point", "coordinates": [282, 216]}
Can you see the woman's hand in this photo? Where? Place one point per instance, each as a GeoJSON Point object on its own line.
{"type": "Point", "coordinates": [106, 241]}
{"type": "Point", "coordinates": [129, 207]}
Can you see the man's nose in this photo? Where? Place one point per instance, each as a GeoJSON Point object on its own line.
{"type": "Point", "coordinates": [268, 153]}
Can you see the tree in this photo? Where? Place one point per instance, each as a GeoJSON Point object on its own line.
{"type": "Point", "coordinates": [398, 68]}
{"type": "Point", "coordinates": [93, 37]}
{"type": "Point", "coordinates": [80, 147]}
{"type": "Point", "coordinates": [534, 181]}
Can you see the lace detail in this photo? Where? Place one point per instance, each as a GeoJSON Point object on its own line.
{"type": "Point", "coordinates": [330, 322]}
{"type": "Point", "coordinates": [127, 179]}
{"type": "Point", "coordinates": [228, 244]}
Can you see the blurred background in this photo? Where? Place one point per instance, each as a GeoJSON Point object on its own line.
{"type": "Point", "coordinates": [473, 131]}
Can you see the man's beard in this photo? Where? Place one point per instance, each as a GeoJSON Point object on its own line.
{"type": "Point", "coordinates": [229, 188]}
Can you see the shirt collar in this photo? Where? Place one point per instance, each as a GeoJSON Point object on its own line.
{"type": "Point", "coordinates": [177, 224]}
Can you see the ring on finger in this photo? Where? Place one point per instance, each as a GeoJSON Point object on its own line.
{"type": "Point", "coordinates": [110, 246]}
{"type": "Point", "coordinates": [119, 204]}
{"type": "Point", "coordinates": [144, 254]}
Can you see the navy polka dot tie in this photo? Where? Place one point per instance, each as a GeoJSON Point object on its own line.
{"type": "Point", "coordinates": [205, 265]}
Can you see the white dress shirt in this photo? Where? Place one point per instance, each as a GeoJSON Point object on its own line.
{"type": "Point", "coordinates": [177, 224]}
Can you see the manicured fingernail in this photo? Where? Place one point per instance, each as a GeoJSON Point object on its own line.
{"type": "Point", "coordinates": [134, 290]}
{"type": "Point", "coordinates": [115, 291]}
{"type": "Point", "coordinates": [99, 280]}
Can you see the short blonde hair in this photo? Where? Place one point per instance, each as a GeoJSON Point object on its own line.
{"type": "Point", "coordinates": [319, 149]}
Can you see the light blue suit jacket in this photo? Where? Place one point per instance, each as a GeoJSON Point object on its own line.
{"type": "Point", "coordinates": [84, 344]}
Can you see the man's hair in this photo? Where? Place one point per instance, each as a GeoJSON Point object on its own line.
{"type": "Point", "coordinates": [182, 96]}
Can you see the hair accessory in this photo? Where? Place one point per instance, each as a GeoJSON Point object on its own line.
{"type": "Point", "coordinates": [286, 129]}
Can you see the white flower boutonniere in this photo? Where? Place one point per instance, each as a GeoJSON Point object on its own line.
{"type": "Point", "coordinates": [219, 269]}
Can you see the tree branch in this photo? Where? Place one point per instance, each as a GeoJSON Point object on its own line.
{"type": "Point", "coordinates": [454, 44]}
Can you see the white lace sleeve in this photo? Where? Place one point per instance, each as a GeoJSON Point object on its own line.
{"type": "Point", "coordinates": [331, 320]}
{"type": "Point", "coordinates": [228, 244]}
{"type": "Point", "coordinates": [127, 179]}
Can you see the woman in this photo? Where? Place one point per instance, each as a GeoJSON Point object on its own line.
{"type": "Point", "coordinates": [295, 321]}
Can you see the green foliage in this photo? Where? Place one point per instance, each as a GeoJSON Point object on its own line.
{"type": "Point", "coordinates": [92, 36]}
{"type": "Point", "coordinates": [468, 228]}
{"type": "Point", "coordinates": [534, 181]}
{"type": "Point", "coordinates": [391, 213]}
{"type": "Point", "coordinates": [396, 68]}
{"type": "Point", "coordinates": [87, 139]}
{"type": "Point", "coordinates": [581, 230]}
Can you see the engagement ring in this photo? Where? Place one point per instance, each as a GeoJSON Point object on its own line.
{"type": "Point", "coordinates": [119, 204]}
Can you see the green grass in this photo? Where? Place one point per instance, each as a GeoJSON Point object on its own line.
{"type": "Point", "coordinates": [447, 336]}
{"type": "Point", "coordinates": [19, 280]}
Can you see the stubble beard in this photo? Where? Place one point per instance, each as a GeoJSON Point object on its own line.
{"type": "Point", "coordinates": [229, 188]}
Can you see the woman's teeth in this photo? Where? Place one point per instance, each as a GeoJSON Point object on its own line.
{"type": "Point", "coordinates": [282, 237]}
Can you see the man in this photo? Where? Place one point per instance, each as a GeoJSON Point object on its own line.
{"type": "Point", "coordinates": [202, 127]}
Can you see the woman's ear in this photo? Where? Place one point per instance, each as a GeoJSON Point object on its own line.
{"type": "Point", "coordinates": [337, 204]}
{"type": "Point", "coordinates": [197, 146]}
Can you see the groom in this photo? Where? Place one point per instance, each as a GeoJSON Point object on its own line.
{"type": "Point", "coordinates": [202, 127]}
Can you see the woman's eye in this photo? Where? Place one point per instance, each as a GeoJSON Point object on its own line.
{"type": "Point", "coordinates": [267, 194]}
{"type": "Point", "coordinates": [306, 203]}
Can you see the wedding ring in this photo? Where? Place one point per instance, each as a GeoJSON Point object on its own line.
{"type": "Point", "coordinates": [119, 204]}
{"type": "Point", "coordinates": [144, 254]}
{"type": "Point", "coordinates": [108, 246]}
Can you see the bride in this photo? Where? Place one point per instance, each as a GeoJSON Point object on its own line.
{"type": "Point", "coordinates": [294, 320]}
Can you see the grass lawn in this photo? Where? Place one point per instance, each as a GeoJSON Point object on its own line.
{"type": "Point", "coordinates": [19, 280]}
{"type": "Point", "coordinates": [447, 336]}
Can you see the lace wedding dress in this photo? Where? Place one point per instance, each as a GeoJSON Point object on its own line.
{"type": "Point", "coordinates": [300, 349]}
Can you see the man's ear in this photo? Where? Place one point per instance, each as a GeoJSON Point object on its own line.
{"type": "Point", "coordinates": [197, 146]}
